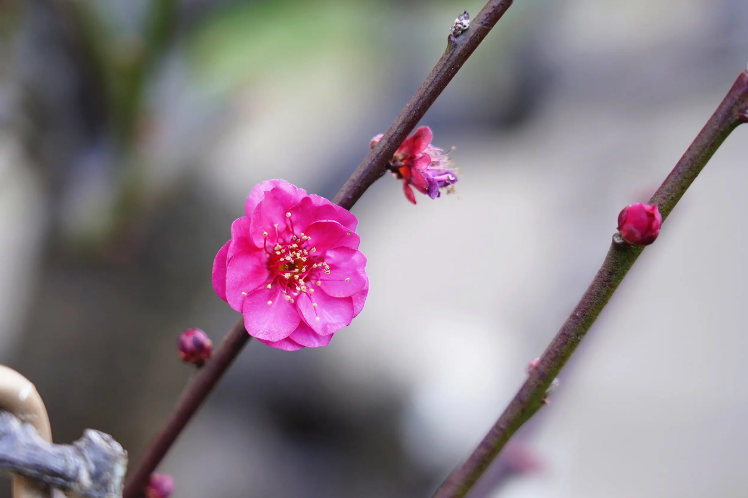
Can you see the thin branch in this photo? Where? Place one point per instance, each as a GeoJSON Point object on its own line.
{"type": "Point", "coordinates": [458, 51]}
{"type": "Point", "coordinates": [373, 167]}
{"type": "Point", "coordinates": [92, 467]}
{"type": "Point", "coordinates": [200, 386]}
{"type": "Point", "coordinates": [621, 257]}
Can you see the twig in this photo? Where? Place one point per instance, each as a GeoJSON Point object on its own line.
{"type": "Point", "coordinates": [458, 51]}
{"type": "Point", "coordinates": [730, 113]}
{"type": "Point", "coordinates": [92, 467]}
{"type": "Point", "coordinates": [201, 385]}
{"type": "Point", "coordinates": [373, 167]}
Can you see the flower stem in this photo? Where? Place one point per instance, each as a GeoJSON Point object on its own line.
{"type": "Point", "coordinates": [200, 386]}
{"type": "Point", "coordinates": [458, 51]}
{"type": "Point", "coordinates": [730, 113]}
{"type": "Point", "coordinates": [365, 175]}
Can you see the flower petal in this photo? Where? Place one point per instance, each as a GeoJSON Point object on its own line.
{"type": "Point", "coordinates": [268, 316]}
{"type": "Point", "coordinates": [246, 272]}
{"type": "Point", "coordinates": [360, 299]}
{"type": "Point", "coordinates": [326, 235]}
{"type": "Point", "coordinates": [330, 315]}
{"type": "Point", "coordinates": [219, 271]}
{"type": "Point", "coordinates": [240, 240]}
{"type": "Point", "coordinates": [422, 162]}
{"type": "Point", "coordinates": [346, 276]}
{"type": "Point", "coordinates": [409, 193]}
{"type": "Point", "coordinates": [286, 344]}
{"type": "Point", "coordinates": [305, 336]}
{"type": "Point", "coordinates": [421, 139]}
{"type": "Point", "coordinates": [420, 182]}
{"type": "Point", "coordinates": [258, 193]}
{"type": "Point", "coordinates": [315, 208]}
{"type": "Point", "coordinates": [268, 213]}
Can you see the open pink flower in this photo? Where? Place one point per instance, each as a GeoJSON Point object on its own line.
{"type": "Point", "coordinates": [292, 267]}
{"type": "Point", "coordinates": [418, 163]}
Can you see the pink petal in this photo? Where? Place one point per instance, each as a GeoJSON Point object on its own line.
{"type": "Point", "coordinates": [421, 162]}
{"type": "Point", "coordinates": [352, 241]}
{"type": "Point", "coordinates": [284, 344]}
{"type": "Point", "coordinates": [268, 213]}
{"type": "Point", "coordinates": [245, 273]}
{"type": "Point", "coordinates": [334, 313]}
{"type": "Point", "coordinates": [240, 240]}
{"type": "Point", "coordinates": [409, 193]}
{"type": "Point", "coordinates": [347, 275]}
{"type": "Point", "coordinates": [315, 208]}
{"type": "Point", "coordinates": [219, 271]}
{"type": "Point", "coordinates": [258, 192]}
{"type": "Point", "coordinates": [419, 181]}
{"type": "Point", "coordinates": [326, 234]}
{"type": "Point", "coordinates": [270, 322]}
{"type": "Point", "coordinates": [421, 139]}
{"type": "Point", "coordinates": [360, 299]}
{"type": "Point", "coordinates": [305, 336]}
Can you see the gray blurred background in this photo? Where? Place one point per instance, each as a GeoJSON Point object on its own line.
{"type": "Point", "coordinates": [131, 132]}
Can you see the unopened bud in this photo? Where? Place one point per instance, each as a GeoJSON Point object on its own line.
{"type": "Point", "coordinates": [639, 224]}
{"type": "Point", "coordinates": [195, 346]}
{"type": "Point", "coordinates": [532, 364]}
{"type": "Point", "coordinates": [160, 486]}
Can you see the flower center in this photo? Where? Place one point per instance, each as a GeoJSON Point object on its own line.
{"type": "Point", "coordinates": [293, 263]}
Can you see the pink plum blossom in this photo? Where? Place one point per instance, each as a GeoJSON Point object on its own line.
{"type": "Point", "coordinates": [421, 165]}
{"type": "Point", "coordinates": [292, 267]}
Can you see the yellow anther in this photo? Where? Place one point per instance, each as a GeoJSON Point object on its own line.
{"type": "Point", "coordinates": [319, 282]}
{"type": "Point", "coordinates": [314, 249]}
{"type": "Point", "coordinates": [269, 286]}
{"type": "Point", "coordinates": [347, 279]}
{"type": "Point", "coordinates": [287, 275]}
{"type": "Point", "coordinates": [244, 293]}
{"type": "Point", "coordinates": [296, 277]}
{"type": "Point", "coordinates": [276, 225]}
{"type": "Point", "coordinates": [316, 318]}
{"type": "Point", "coordinates": [269, 303]}
{"type": "Point", "coordinates": [348, 233]}
{"type": "Point", "coordinates": [264, 234]}
{"type": "Point", "coordinates": [287, 297]}
{"type": "Point", "coordinates": [314, 305]}
{"type": "Point", "coordinates": [277, 253]}
{"type": "Point", "coordinates": [288, 215]}
{"type": "Point", "coordinates": [291, 301]}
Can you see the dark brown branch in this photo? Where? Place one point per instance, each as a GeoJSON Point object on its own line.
{"type": "Point", "coordinates": [621, 257]}
{"type": "Point", "coordinates": [200, 386]}
{"type": "Point", "coordinates": [373, 166]}
{"type": "Point", "coordinates": [92, 467]}
{"type": "Point", "coordinates": [458, 51]}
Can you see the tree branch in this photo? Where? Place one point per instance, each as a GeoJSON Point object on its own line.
{"type": "Point", "coordinates": [458, 51]}
{"type": "Point", "coordinates": [373, 167]}
{"type": "Point", "coordinates": [730, 113]}
{"type": "Point", "coordinates": [92, 467]}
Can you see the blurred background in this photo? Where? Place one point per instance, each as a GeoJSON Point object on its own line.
{"type": "Point", "coordinates": [131, 132]}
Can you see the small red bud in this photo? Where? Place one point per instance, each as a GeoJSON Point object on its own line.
{"type": "Point", "coordinates": [639, 224]}
{"type": "Point", "coordinates": [194, 346]}
{"type": "Point", "coordinates": [160, 486]}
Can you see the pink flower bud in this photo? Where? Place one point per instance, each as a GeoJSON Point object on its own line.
{"type": "Point", "coordinates": [532, 364]}
{"type": "Point", "coordinates": [194, 346]}
{"type": "Point", "coordinates": [639, 224]}
{"type": "Point", "coordinates": [160, 485]}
